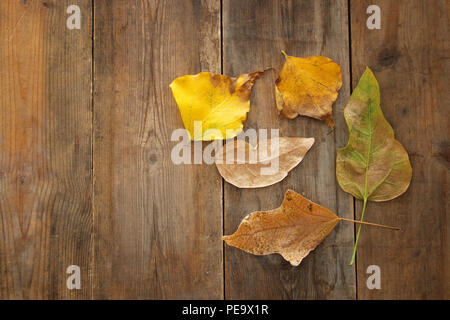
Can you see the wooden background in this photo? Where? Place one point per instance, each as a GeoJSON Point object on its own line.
{"type": "Point", "coordinates": [86, 118]}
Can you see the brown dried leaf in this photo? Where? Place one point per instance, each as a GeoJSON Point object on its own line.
{"type": "Point", "coordinates": [292, 230]}
{"type": "Point", "coordinates": [254, 168]}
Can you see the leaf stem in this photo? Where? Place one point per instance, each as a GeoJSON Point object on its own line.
{"type": "Point", "coordinates": [370, 224]}
{"type": "Point", "coordinates": [359, 231]}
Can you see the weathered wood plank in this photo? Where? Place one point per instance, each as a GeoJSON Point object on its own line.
{"type": "Point", "coordinates": [45, 149]}
{"type": "Point", "coordinates": [157, 226]}
{"type": "Point", "coordinates": [255, 32]}
{"type": "Point", "coordinates": [410, 58]}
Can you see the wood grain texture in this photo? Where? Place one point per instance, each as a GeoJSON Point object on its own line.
{"type": "Point", "coordinates": [410, 58]}
{"type": "Point", "coordinates": [255, 32]}
{"type": "Point", "coordinates": [158, 226]}
{"type": "Point", "coordinates": [86, 176]}
{"type": "Point", "coordinates": [45, 149]}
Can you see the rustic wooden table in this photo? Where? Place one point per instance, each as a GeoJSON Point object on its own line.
{"type": "Point", "coordinates": [86, 179]}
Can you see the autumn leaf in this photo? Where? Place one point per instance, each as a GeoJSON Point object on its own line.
{"type": "Point", "coordinates": [262, 165]}
{"type": "Point", "coordinates": [308, 87]}
{"type": "Point", "coordinates": [219, 103]}
{"type": "Point", "coordinates": [373, 166]}
{"type": "Point", "coordinates": [292, 230]}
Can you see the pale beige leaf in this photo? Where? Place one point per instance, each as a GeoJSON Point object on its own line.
{"type": "Point", "coordinates": [262, 165]}
{"type": "Point", "coordinates": [292, 230]}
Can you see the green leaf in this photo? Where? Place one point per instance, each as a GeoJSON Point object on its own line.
{"type": "Point", "coordinates": [373, 166]}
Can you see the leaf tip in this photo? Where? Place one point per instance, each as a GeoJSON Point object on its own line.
{"type": "Point", "coordinates": [328, 119]}
{"type": "Point", "coordinates": [369, 73]}
{"type": "Point", "coordinates": [289, 191]}
{"type": "Point", "coordinates": [295, 263]}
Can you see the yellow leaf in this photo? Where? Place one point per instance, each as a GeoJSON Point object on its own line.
{"type": "Point", "coordinates": [308, 87]}
{"type": "Point", "coordinates": [218, 102]}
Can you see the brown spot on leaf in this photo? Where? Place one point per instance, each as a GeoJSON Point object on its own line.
{"type": "Point", "coordinates": [246, 88]}
{"type": "Point", "coordinates": [216, 79]}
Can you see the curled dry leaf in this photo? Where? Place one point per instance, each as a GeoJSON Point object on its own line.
{"type": "Point", "coordinates": [245, 166]}
{"type": "Point", "coordinates": [374, 165]}
{"type": "Point", "coordinates": [220, 103]}
{"type": "Point", "coordinates": [308, 87]}
{"type": "Point", "coordinates": [292, 230]}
